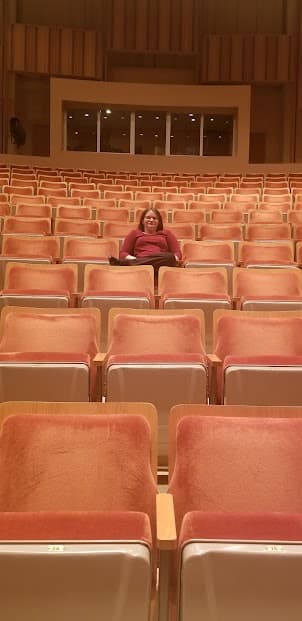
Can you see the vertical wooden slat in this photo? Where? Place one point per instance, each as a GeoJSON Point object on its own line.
{"type": "Point", "coordinates": [164, 42]}
{"type": "Point", "coordinates": [42, 49]}
{"type": "Point", "coordinates": [176, 18]}
{"type": "Point", "coordinates": [214, 58]}
{"type": "Point", "coordinates": [237, 56]}
{"type": "Point", "coordinates": [90, 48]}
{"type": "Point", "coordinates": [130, 24]}
{"type": "Point", "coordinates": [283, 59]}
{"type": "Point", "coordinates": [77, 51]}
{"type": "Point", "coordinates": [187, 26]}
{"type": "Point", "coordinates": [118, 25]}
{"type": "Point", "coordinates": [141, 33]}
{"type": "Point", "coordinates": [54, 51]}
{"type": "Point", "coordinates": [225, 62]}
{"type": "Point", "coordinates": [18, 47]}
{"type": "Point", "coordinates": [30, 48]}
{"type": "Point", "coordinates": [66, 51]}
{"type": "Point", "coordinates": [271, 59]}
{"type": "Point", "coordinates": [248, 59]}
{"type": "Point", "coordinates": [260, 56]}
{"type": "Point", "coordinates": [152, 24]}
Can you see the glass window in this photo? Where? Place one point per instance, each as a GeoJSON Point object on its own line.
{"type": "Point", "coordinates": [218, 134]}
{"type": "Point", "coordinates": [150, 132]}
{"type": "Point", "coordinates": [185, 133]}
{"type": "Point", "coordinates": [115, 129]}
{"type": "Point", "coordinates": [81, 125]}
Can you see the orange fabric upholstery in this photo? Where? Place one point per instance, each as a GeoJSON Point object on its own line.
{"type": "Point", "coordinates": [269, 253]}
{"type": "Point", "coordinates": [82, 228]}
{"type": "Point", "coordinates": [41, 278]}
{"type": "Point", "coordinates": [267, 284]}
{"type": "Point", "coordinates": [221, 231]}
{"type": "Point", "coordinates": [33, 211]}
{"type": "Point", "coordinates": [89, 248]}
{"type": "Point", "coordinates": [22, 246]}
{"type": "Point", "coordinates": [32, 226]}
{"type": "Point", "coordinates": [255, 232]}
{"type": "Point", "coordinates": [67, 452]}
{"type": "Point", "coordinates": [70, 211]}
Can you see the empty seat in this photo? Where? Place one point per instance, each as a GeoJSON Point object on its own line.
{"type": "Point", "coordinates": [13, 225]}
{"type": "Point", "coordinates": [47, 354]}
{"type": "Point", "coordinates": [33, 211]}
{"type": "Point", "coordinates": [267, 289]}
{"type": "Point", "coordinates": [83, 251]}
{"type": "Point", "coordinates": [88, 521]}
{"type": "Point", "coordinates": [261, 216]}
{"type": "Point", "coordinates": [206, 289]}
{"type": "Point", "coordinates": [40, 285]}
{"type": "Point", "coordinates": [264, 231]}
{"type": "Point", "coordinates": [252, 254]}
{"type": "Point", "coordinates": [76, 226]}
{"type": "Point", "coordinates": [210, 253]}
{"type": "Point", "coordinates": [236, 492]}
{"type": "Point", "coordinates": [74, 211]}
{"type": "Point", "coordinates": [261, 357]}
{"type": "Point", "coordinates": [108, 286]}
{"type": "Point", "coordinates": [158, 357]}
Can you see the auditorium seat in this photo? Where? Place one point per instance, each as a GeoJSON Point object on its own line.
{"type": "Point", "coordinates": [39, 285]}
{"type": "Point", "coordinates": [254, 232]}
{"type": "Point", "coordinates": [157, 357]}
{"type": "Point", "coordinates": [266, 254]}
{"type": "Point", "coordinates": [206, 289]}
{"type": "Point", "coordinates": [110, 286]}
{"type": "Point", "coordinates": [235, 483]}
{"type": "Point", "coordinates": [260, 216]}
{"type": "Point", "coordinates": [258, 357]}
{"type": "Point", "coordinates": [26, 210]}
{"type": "Point", "coordinates": [13, 225]}
{"type": "Point", "coordinates": [76, 226]}
{"type": "Point", "coordinates": [85, 528]}
{"type": "Point", "coordinates": [82, 251]}
{"type": "Point", "coordinates": [209, 254]}
{"type": "Point", "coordinates": [267, 289]}
{"type": "Point", "coordinates": [47, 354]}
{"type": "Point", "coordinates": [74, 211]}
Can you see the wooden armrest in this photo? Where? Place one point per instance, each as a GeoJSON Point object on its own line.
{"type": "Point", "coordinates": [99, 358]}
{"type": "Point", "coordinates": [214, 360]}
{"type": "Point", "coordinates": [165, 521]}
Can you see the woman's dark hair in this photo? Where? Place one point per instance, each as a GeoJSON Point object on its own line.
{"type": "Point", "coordinates": [160, 225]}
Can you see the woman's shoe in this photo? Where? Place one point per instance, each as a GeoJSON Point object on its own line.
{"type": "Point", "coordinates": [113, 261]}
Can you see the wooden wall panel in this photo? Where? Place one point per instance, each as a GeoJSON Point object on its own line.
{"type": "Point", "coordinates": [56, 51]}
{"type": "Point", "coordinates": [247, 59]}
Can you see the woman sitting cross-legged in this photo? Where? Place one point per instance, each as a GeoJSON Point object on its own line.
{"type": "Point", "coordinates": [149, 244]}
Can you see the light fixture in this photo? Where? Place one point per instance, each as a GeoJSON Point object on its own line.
{"type": "Point", "coordinates": [86, 114]}
{"type": "Point", "coordinates": [193, 120]}
{"type": "Point", "coordinates": [141, 134]}
{"type": "Point", "coordinates": [155, 135]}
{"type": "Point", "coordinates": [139, 116]}
{"type": "Point", "coordinates": [70, 116]}
{"type": "Point", "coordinates": [105, 117]}
{"type": "Point", "coordinates": [190, 114]}
{"type": "Point", "coordinates": [172, 136]}
{"type": "Point", "coordinates": [76, 133]}
{"type": "Point", "coordinates": [212, 119]}
{"type": "Point", "coordinates": [108, 111]}
{"type": "Point", "coordinates": [157, 118]}
{"type": "Point", "coordinates": [219, 136]}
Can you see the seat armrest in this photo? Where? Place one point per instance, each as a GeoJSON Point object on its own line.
{"type": "Point", "coordinates": [214, 360]}
{"type": "Point", "coordinates": [99, 358]}
{"type": "Point", "coordinates": [165, 521]}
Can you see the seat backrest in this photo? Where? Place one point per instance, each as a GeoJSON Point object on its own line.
{"type": "Point", "coordinates": [50, 330]}
{"type": "Point", "coordinates": [266, 282]}
{"type": "Point", "coordinates": [267, 231]}
{"type": "Point", "coordinates": [155, 333]}
{"type": "Point", "coordinates": [242, 333]}
{"type": "Point", "coordinates": [210, 281]}
{"type": "Point", "coordinates": [105, 278]}
{"type": "Point", "coordinates": [34, 226]}
{"type": "Point", "coordinates": [247, 465]}
{"type": "Point", "coordinates": [90, 248]}
{"type": "Point", "coordinates": [22, 246]}
{"type": "Point", "coordinates": [85, 463]}
{"type": "Point", "coordinates": [70, 211]}
{"type": "Point", "coordinates": [76, 227]}
{"type": "Point", "coordinates": [221, 231]}
{"type": "Point", "coordinates": [41, 277]}
{"type": "Point", "coordinates": [266, 252]}
{"type": "Point", "coordinates": [208, 251]}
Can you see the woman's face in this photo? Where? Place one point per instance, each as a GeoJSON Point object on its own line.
{"type": "Point", "coordinates": [150, 222]}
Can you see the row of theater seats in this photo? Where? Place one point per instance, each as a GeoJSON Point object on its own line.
{"type": "Point", "coordinates": [116, 192]}
{"type": "Point", "coordinates": [192, 229]}
{"type": "Point", "coordinates": [83, 528]}
{"type": "Point", "coordinates": [198, 212]}
{"type": "Point", "coordinates": [158, 356]}
{"type": "Point", "coordinates": [104, 287]}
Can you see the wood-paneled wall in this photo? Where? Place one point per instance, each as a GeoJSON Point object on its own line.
{"type": "Point", "coordinates": [222, 58]}
{"type": "Point", "coordinates": [56, 51]}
